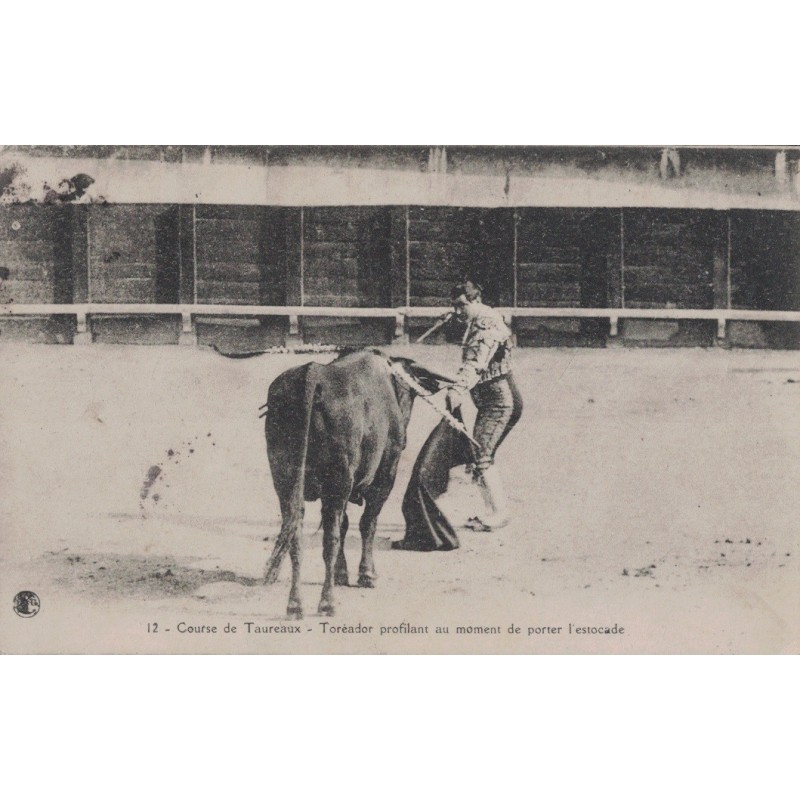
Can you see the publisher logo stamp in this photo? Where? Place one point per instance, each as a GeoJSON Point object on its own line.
{"type": "Point", "coordinates": [27, 604]}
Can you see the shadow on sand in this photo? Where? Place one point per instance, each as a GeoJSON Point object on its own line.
{"type": "Point", "coordinates": [120, 574]}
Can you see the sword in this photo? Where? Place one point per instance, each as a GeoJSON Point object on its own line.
{"type": "Point", "coordinates": [427, 398]}
{"type": "Point", "coordinates": [435, 327]}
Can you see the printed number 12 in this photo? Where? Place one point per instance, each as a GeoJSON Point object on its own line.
{"type": "Point", "coordinates": [152, 627]}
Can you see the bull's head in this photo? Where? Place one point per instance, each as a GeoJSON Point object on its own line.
{"type": "Point", "coordinates": [412, 379]}
{"type": "Point", "coordinates": [430, 380]}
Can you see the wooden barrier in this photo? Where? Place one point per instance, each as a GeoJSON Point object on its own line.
{"type": "Point", "coordinates": [83, 312]}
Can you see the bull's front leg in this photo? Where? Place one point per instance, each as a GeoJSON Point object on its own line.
{"type": "Point", "coordinates": [331, 524]}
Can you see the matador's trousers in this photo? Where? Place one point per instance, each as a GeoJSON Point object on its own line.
{"type": "Point", "coordinates": [499, 405]}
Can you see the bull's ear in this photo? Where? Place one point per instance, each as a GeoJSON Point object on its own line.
{"type": "Point", "coordinates": [431, 380]}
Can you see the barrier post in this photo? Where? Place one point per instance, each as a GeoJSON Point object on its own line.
{"type": "Point", "coordinates": [188, 334]}
{"type": "Point", "coordinates": [295, 336]}
{"type": "Point", "coordinates": [83, 333]}
{"type": "Point", "coordinates": [721, 268]}
{"type": "Point", "coordinates": [400, 328]}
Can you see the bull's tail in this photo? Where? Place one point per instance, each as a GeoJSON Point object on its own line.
{"type": "Point", "coordinates": [287, 427]}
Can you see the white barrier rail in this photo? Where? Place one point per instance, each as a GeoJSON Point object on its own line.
{"type": "Point", "coordinates": [189, 312]}
{"type": "Point", "coordinates": [720, 315]}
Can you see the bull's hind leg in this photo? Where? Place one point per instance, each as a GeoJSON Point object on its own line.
{"type": "Point", "coordinates": [294, 610]}
{"type": "Point", "coordinates": [368, 524]}
{"type": "Point", "coordinates": [291, 528]}
{"type": "Point", "coordinates": [332, 513]}
{"type": "Point", "coordinates": [340, 577]}
{"type": "Point", "coordinates": [288, 539]}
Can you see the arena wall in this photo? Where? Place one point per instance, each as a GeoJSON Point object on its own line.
{"type": "Point", "coordinates": [745, 255]}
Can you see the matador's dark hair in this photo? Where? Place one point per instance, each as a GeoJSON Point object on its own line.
{"type": "Point", "coordinates": [471, 290]}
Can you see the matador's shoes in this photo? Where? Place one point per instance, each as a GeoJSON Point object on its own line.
{"type": "Point", "coordinates": [496, 515]}
{"type": "Point", "coordinates": [486, 523]}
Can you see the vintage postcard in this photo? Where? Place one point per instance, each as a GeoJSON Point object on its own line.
{"type": "Point", "coordinates": [415, 400]}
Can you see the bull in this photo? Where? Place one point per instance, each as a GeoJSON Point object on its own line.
{"type": "Point", "coordinates": [335, 433]}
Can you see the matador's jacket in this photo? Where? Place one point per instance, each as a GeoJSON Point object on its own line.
{"type": "Point", "coordinates": [485, 349]}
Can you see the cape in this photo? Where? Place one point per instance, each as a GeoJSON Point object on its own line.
{"type": "Point", "coordinates": [427, 527]}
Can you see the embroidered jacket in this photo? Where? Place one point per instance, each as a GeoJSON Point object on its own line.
{"type": "Point", "coordinates": [485, 350]}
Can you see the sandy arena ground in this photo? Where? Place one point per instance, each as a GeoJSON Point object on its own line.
{"type": "Point", "coordinates": [652, 489]}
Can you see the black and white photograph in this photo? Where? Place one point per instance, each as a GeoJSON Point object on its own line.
{"type": "Point", "coordinates": [470, 341]}
{"type": "Point", "coordinates": [430, 399]}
